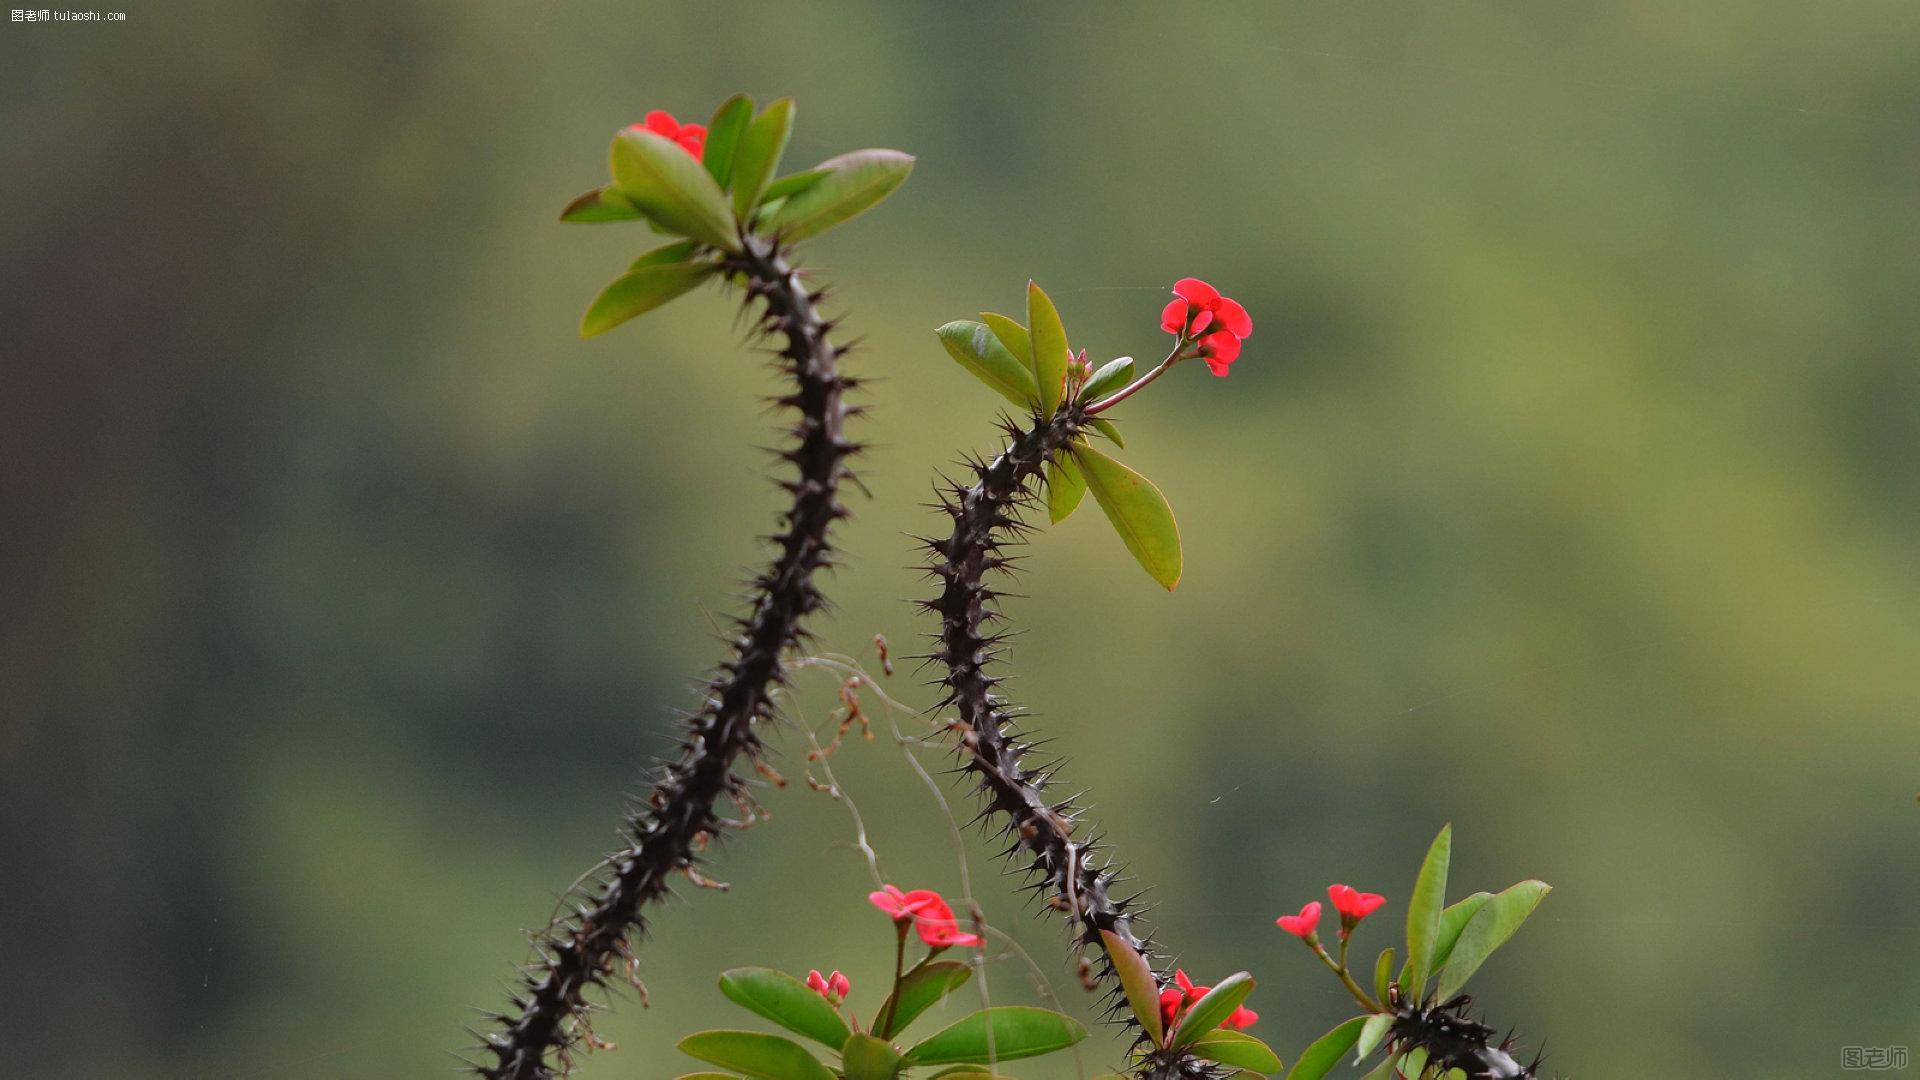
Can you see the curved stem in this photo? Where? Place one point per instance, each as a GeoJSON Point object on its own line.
{"type": "Point", "coordinates": [1040, 830]}
{"type": "Point", "coordinates": [1140, 383]}
{"type": "Point", "coordinates": [678, 817]}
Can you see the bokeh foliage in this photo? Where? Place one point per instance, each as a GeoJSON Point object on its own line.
{"type": "Point", "coordinates": [1567, 493]}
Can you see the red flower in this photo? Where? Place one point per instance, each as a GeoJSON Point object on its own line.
{"type": "Point", "coordinates": [832, 987]}
{"type": "Point", "coordinates": [1352, 904]}
{"type": "Point", "coordinates": [1175, 999]}
{"type": "Point", "coordinates": [931, 916]}
{"type": "Point", "coordinates": [691, 137]}
{"type": "Point", "coordinates": [1301, 925]}
{"type": "Point", "coordinates": [1198, 309]}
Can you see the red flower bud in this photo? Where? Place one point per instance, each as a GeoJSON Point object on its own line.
{"type": "Point", "coordinates": [1301, 925]}
{"type": "Point", "coordinates": [931, 916]}
{"type": "Point", "coordinates": [1175, 999]}
{"type": "Point", "coordinates": [1352, 904]}
{"type": "Point", "coordinates": [838, 987]}
{"type": "Point", "coordinates": [691, 137]}
{"type": "Point", "coordinates": [1201, 314]}
{"type": "Point", "coordinates": [818, 983]}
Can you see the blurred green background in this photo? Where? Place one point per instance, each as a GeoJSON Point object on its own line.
{"type": "Point", "coordinates": [1566, 491]}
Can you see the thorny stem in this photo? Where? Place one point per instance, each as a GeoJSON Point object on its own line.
{"type": "Point", "coordinates": [534, 1040]}
{"type": "Point", "coordinates": [985, 516]}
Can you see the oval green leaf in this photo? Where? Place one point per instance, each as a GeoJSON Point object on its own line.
{"type": "Point", "coordinates": [679, 251]}
{"type": "Point", "coordinates": [1318, 1060]}
{"type": "Point", "coordinates": [867, 1058]}
{"type": "Point", "coordinates": [975, 347]}
{"type": "Point", "coordinates": [729, 122]}
{"type": "Point", "coordinates": [1017, 1031]}
{"type": "Point", "coordinates": [1383, 974]}
{"type": "Point", "coordinates": [759, 155]}
{"type": "Point", "coordinates": [1049, 348]}
{"type": "Point", "coordinates": [761, 1056]}
{"type": "Point", "coordinates": [1386, 1070]}
{"type": "Point", "coordinates": [1138, 511]}
{"type": "Point", "coordinates": [1206, 1014]}
{"type": "Point", "coordinates": [786, 1001]}
{"type": "Point", "coordinates": [1137, 982]}
{"type": "Point", "coordinates": [1453, 920]}
{"type": "Point", "coordinates": [793, 184]}
{"type": "Point", "coordinates": [600, 204]}
{"type": "Point", "coordinates": [1065, 488]}
{"type": "Point", "coordinates": [1106, 427]}
{"type": "Point", "coordinates": [706, 1076]}
{"type": "Point", "coordinates": [640, 291]}
{"type": "Point", "coordinates": [672, 188]}
{"type": "Point", "coordinates": [1423, 912]}
{"type": "Point", "coordinates": [1414, 1062]}
{"type": "Point", "coordinates": [1371, 1034]}
{"type": "Point", "coordinates": [853, 184]}
{"type": "Point", "coordinates": [1489, 929]}
{"type": "Point", "coordinates": [1238, 1049]}
{"type": "Point", "coordinates": [1111, 376]}
{"type": "Point", "coordinates": [919, 990]}
{"type": "Point", "coordinates": [1014, 337]}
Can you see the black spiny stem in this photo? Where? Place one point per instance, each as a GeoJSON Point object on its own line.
{"type": "Point", "coordinates": [1072, 873]}
{"type": "Point", "coordinates": [678, 818]}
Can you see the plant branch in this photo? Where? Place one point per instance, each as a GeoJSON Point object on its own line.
{"type": "Point", "coordinates": [534, 1041]}
{"type": "Point", "coordinates": [1041, 831]}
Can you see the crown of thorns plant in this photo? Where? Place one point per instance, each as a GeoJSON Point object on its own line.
{"type": "Point", "coordinates": [715, 194]}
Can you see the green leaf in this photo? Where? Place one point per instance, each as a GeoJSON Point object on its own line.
{"type": "Point", "coordinates": [1238, 1049]}
{"type": "Point", "coordinates": [1017, 1031]}
{"type": "Point", "coordinates": [763, 1057]}
{"type": "Point", "coordinates": [672, 188]}
{"type": "Point", "coordinates": [1319, 1059]}
{"type": "Point", "coordinates": [854, 182]}
{"type": "Point", "coordinates": [1414, 1062]}
{"type": "Point", "coordinates": [1014, 337]}
{"type": "Point", "coordinates": [1112, 375]}
{"type": "Point", "coordinates": [680, 251]}
{"type": "Point", "coordinates": [759, 155]}
{"type": "Point", "coordinates": [867, 1058]}
{"type": "Point", "coordinates": [1065, 488]}
{"type": "Point", "coordinates": [786, 1001]}
{"type": "Point", "coordinates": [919, 990]}
{"type": "Point", "coordinates": [1489, 929]}
{"type": "Point", "coordinates": [1106, 427]}
{"type": "Point", "coordinates": [1137, 982]}
{"type": "Point", "coordinates": [601, 204]}
{"type": "Point", "coordinates": [1383, 974]}
{"type": "Point", "coordinates": [1049, 348]}
{"type": "Point", "coordinates": [1453, 920]}
{"type": "Point", "coordinates": [977, 349]}
{"type": "Point", "coordinates": [723, 136]}
{"type": "Point", "coordinates": [793, 184]}
{"type": "Point", "coordinates": [1423, 912]}
{"type": "Point", "coordinates": [1138, 511]}
{"type": "Point", "coordinates": [1218, 1004]}
{"type": "Point", "coordinates": [1371, 1034]}
{"type": "Point", "coordinates": [640, 291]}
{"type": "Point", "coordinates": [1384, 1070]}
{"type": "Point", "coordinates": [706, 1076]}
{"type": "Point", "coordinates": [962, 1070]}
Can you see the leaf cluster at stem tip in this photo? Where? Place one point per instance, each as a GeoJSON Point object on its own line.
{"type": "Point", "coordinates": [1032, 366]}
{"type": "Point", "coordinates": [1445, 946]}
{"type": "Point", "coordinates": [714, 199]}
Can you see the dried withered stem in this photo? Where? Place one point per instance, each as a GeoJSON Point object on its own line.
{"type": "Point", "coordinates": [1070, 871]}
{"type": "Point", "coordinates": [591, 947]}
